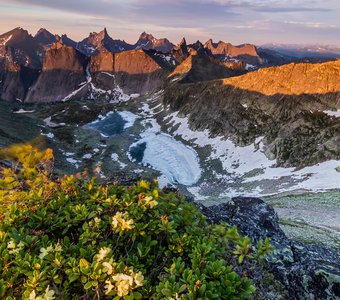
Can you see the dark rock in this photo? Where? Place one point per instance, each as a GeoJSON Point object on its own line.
{"type": "Point", "coordinates": [101, 42]}
{"type": "Point", "coordinates": [63, 73]}
{"type": "Point", "coordinates": [307, 271]}
{"type": "Point", "coordinates": [148, 41]}
{"type": "Point", "coordinates": [296, 132]}
{"type": "Point", "coordinates": [180, 52]}
{"type": "Point", "coordinates": [201, 67]}
{"type": "Point", "coordinates": [18, 46]}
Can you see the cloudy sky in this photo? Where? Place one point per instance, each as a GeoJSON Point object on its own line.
{"type": "Point", "coordinates": [236, 21]}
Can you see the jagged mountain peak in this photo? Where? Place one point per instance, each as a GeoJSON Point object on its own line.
{"type": "Point", "coordinates": [99, 35]}
{"type": "Point", "coordinates": [44, 37]}
{"type": "Point", "coordinates": [145, 35]}
{"type": "Point", "coordinates": [147, 41]}
{"type": "Point", "coordinates": [101, 42]}
{"type": "Point", "coordinates": [17, 33]}
{"type": "Point", "coordinates": [182, 42]}
{"type": "Point", "coordinates": [43, 31]}
{"type": "Point", "coordinates": [19, 47]}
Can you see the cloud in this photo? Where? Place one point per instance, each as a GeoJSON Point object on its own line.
{"type": "Point", "coordinates": [234, 20]}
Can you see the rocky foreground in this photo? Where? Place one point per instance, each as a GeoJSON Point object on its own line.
{"type": "Point", "coordinates": [306, 271]}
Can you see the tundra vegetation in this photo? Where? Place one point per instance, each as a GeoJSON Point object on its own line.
{"type": "Point", "coordinates": [76, 238]}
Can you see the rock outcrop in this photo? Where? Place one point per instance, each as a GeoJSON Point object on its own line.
{"type": "Point", "coordinates": [15, 81]}
{"type": "Point", "coordinates": [134, 72]}
{"type": "Point", "coordinates": [306, 271]}
{"type": "Point", "coordinates": [246, 52]}
{"type": "Point", "coordinates": [101, 42]}
{"type": "Point", "coordinates": [148, 41]}
{"type": "Point", "coordinates": [137, 72]}
{"type": "Point", "coordinates": [200, 67]}
{"type": "Point", "coordinates": [17, 46]}
{"type": "Point", "coordinates": [47, 39]}
{"type": "Point", "coordinates": [180, 52]}
{"type": "Point", "coordinates": [292, 79]}
{"type": "Point", "coordinates": [63, 73]}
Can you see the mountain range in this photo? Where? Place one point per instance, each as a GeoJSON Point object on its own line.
{"type": "Point", "coordinates": [251, 88]}
{"type": "Point", "coordinates": [32, 66]}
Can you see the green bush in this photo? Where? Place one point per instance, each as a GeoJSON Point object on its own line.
{"type": "Point", "coordinates": [72, 238]}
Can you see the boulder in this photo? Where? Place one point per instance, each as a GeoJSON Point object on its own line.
{"type": "Point", "coordinates": [306, 271]}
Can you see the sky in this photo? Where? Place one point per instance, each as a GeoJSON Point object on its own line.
{"type": "Point", "coordinates": [236, 21]}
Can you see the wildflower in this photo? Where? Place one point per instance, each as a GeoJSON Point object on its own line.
{"type": "Point", "coordinates": [144, 184]}
{"type": "Point", "coordinates": [165, 219]}
{"type": "Point", "coordinates": [138, 277]}
{"type": "Point", "coordinates": [103, 252]}
{"type": "Point", "coordinates": [107, 268]}
{"type": "Point", "coordinates": [155, 194]}
{"type": "Point", "coordinates": [11, 245]}
{"type": "Point", "coordinates": [150, 202]}
{"type": "Point", "coordinates": [45, 251]}
{"type": "Point", "coordinates": [58, 248]}
{"type": "Point", "coordinates": [108, 287]}
{"type": "Point", "coordinates": [119, 223]}
{"type": "Point", "coordinates": [123, 284]}
{"type": "Point", "coordinates": [49, 294]}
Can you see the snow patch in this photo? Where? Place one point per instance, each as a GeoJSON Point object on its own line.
{"type": "Point", "coordinates": [115, 157]}
{"type": "Point", "coordinates": [49, 135]}
{"type": "Point", "coordinates": [108, 74]}
{"type": "Point", "coordinates": [332, 113]}
{"type": "Point", "coordinates": [128, 117]}
{"type": "Point", "coordinates": [22, 111]}
{"type": "Point", "coordinates": [5, 40]}
{"type": "Point", "coordinates": [49, 123]}
{"type": "Point", "coordinates": [238, 161]}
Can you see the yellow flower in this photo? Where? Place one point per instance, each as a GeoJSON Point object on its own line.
{"type": "Point", "coordinates": [123, 284]}
{"type": "Point", "coordinates": [103, 252]}
{"type": "Point", "coordinates": [155, 194]}
{"type": "Point", "coordinates": [139, 278]}
{"type": "Point", "coordinates": [119, 223]}
{"type": "Point", "coordinates": [109, 268]}
{"type": "Point", "coordinates": [108, 287]}
{"type": "Point", "coordinates": [11, 245]}
{"type": "Point", "coordinates": [144, 184]}
{"type": "Point", "coordinates": [150, 202]}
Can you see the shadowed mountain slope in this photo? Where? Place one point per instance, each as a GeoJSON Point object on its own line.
{"type": "Point", "coordinates": [293, 127]}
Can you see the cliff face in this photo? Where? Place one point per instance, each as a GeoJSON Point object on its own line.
{"type": "Point", "coordinates": [199, 67]}
{"type": "Point", "coordinates": [292, 79]}
{"type": "Point", "coordinates": [15, 80]}
{"type": "Point", "coordinates": [135, 72]}
{"type": "Point", "coordinates": [230, 50]}
{"type": "Point", "coordinates": [294, 128]}
{"type": "Point", "coordinates": [246, 52]}
{"type": "Point", "coordinates": [63, 72]}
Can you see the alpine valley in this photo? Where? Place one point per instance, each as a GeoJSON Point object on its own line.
{"type": "Point", "coordinates": [212, 120]}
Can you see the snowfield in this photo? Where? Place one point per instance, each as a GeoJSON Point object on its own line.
{"type": "Point", "coordinates": [239, 163]}
{"type": "Point", "coordinates": [176, 161]}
